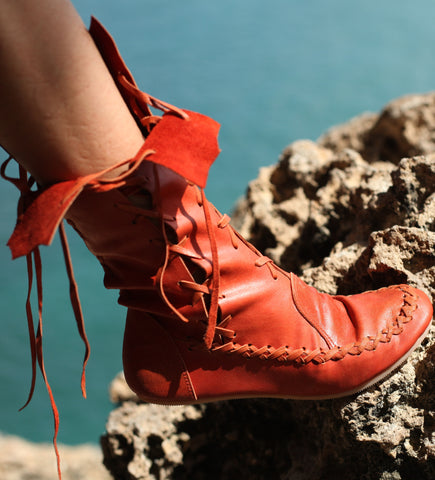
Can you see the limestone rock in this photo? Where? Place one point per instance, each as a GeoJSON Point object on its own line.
{"type": "Point", "coordinates": [351, 212]}
{"type": "Point", "coordinates": [404, 128]}
{"type": "Point", "coordinates": [143, 441]}
{"type": "Point", "coordinates": [22, 460]}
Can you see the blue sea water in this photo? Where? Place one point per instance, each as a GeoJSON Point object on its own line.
{"type": "Point", "coordinates": [270, 73]}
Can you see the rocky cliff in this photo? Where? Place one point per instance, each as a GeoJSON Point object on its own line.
{"type": "Point", "coordinates": [353, 211]}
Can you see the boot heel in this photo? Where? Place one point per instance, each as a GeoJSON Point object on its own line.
{"type": "Point", "coordinates": [153, 367]}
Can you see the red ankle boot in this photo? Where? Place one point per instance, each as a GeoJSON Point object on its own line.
{"type": "Point", "coordinates": [209, 317]}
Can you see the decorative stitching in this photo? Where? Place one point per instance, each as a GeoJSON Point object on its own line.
{"type": "Point", "coordinates": [303, 356]}
{"type": "Point", "coordinates": [189, 385]}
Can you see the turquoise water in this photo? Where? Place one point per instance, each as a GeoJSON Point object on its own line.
{"type": "Point", "coordinates": [270, 73]}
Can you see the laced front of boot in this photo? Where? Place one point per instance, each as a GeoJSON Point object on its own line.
{"type": "Point", "coordinates": [223, 245]}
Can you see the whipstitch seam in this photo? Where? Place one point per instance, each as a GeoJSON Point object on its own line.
{"type": "Point", "coordinates": [302, 356]}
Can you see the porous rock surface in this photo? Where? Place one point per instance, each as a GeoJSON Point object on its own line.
{"type": "Point", "coordinates": [353, 211]}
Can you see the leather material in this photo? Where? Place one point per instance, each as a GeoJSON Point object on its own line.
{"type": "Point", "coordinates": [210, 317]}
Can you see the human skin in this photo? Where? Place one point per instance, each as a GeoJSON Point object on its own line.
{"type": "Point", "coordinates": [61, 115]}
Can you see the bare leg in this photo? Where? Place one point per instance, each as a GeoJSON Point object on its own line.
{"type": "Point", "coordinates": [61, 115]}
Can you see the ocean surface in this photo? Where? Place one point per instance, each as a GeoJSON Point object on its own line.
{"type": "Point", "coordinates": [270, 73]}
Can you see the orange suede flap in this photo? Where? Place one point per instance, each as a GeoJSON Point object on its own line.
{"type": "Point", "coordinates": [186, 146]}
{"type": "Point", "coordinates": [39, 222]}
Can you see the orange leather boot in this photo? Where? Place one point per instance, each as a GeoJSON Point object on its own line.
{"type": "Point", "coordinates": [209, 317]}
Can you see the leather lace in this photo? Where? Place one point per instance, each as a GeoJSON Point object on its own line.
{"type": "Point", "coordinates": [24, 184]}
{"type": "Point", "coordinates": [140, 102]}
{"type": "Point", "coordinates": [213, 311]}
